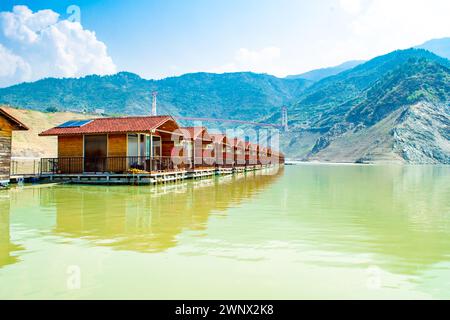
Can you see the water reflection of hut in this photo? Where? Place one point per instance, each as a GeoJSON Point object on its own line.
{"type": "Point", "coordinates": [144, 219]}
{"type": "Point", "coordinates": [6, 247]}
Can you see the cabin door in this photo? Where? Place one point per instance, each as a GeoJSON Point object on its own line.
{"type": "Point", "coordinates": [95, 153]}
{"type": "Point", "coordinates": [155, 154]}
{"type": "Point", "coordinates": [156, 147]}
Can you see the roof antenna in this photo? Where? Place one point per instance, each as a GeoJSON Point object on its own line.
{"type": "Point", "coordinates": [154, 94]}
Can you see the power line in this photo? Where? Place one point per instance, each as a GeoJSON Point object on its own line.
{"type": "Point", "coordinates": [230, 121]}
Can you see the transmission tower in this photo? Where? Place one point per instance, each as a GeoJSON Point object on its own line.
{"type": "Point", "coordinates": [284, 119]}
{"type": "Point", "coordinates": [155, 95]}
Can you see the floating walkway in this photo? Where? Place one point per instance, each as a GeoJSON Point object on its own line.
{"type": "Point", "coordinates": [149, 178]}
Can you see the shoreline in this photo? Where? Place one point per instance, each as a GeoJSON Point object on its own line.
{"type": "Point", "coordinates": [311, 163]}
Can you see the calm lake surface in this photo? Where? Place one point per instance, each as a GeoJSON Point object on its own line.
{"type": "Point", "coordinates": [310, 231]}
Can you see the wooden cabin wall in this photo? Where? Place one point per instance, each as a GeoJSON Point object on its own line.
{"type": "Point", "coordinates": [209, 152]}
{"type": "Point", "coordinates": [71, 149]}
{"type": "Point", "coordinates": [262, 157]}
{"type": "Point", "coordinates": [198, 151]}
{"type": "Point", "coordinates": [117, 148]}
{"type": "Point", "coordinates": [117, 145]}
{"type": "Point", "coordinates": [167, 142]}
{"type": "Point", "coordinates": [5, 148]}
{"type": "Point", "coordinates": [219, 154]}
{"type": "Point", "coordinates": [239, 155]}
{"type": "Point", "coordinates": [70, 146]}
{"type": "Point", "coordinates": [224, 154]}
{"type": "Point", "coordinates": [251, 157]}
{"type": "Point", "coordinates": [228, 156]}
{"type": "Point", "coordinates": [168, 146]}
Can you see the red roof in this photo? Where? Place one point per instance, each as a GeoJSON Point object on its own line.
{"type": "Point", "coordinates": [196, 133]}
{"type": "Point", "coordinates": [112, 125]}
{"type": "Point", "coordinates": [18, 125]}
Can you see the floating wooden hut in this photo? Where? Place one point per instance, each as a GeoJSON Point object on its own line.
{"type": "Point", "coordinates": [8, 124]}
{"type": "Point", "coordinates": [199, 147]}
{"type": "Point", "coordinates": [223, 147]}
{"type": "Point", "coordinates": [116, 145]}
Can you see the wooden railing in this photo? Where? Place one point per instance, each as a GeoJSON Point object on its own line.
{"type": "Point", "coordinates": [119, 165]}
{"type": "Point", "coordinates": [25, 166]}
{"type": "Point", "coordinates": [76, 165]}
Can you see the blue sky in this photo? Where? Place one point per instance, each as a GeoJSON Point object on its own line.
{"type": "Point", "coordinates": [170, 37]}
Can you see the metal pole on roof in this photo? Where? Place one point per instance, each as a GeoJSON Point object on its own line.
{"type": "Point", "coordinates": [154, 94]}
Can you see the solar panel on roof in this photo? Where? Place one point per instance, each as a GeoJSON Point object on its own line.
{"type": "Point", "coordinates": [75, 124]}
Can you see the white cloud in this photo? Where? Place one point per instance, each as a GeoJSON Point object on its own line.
{"type": "Point", "coordinates": [348, 30]}
{"type": "Point", "coordinates": [38, 45]}
{"type": "Point", "coordinates": [266, 60]}
{"type": "Point", "coordinates": [12, 68]}
{"type": "Point", "coordinates": [386, 25]}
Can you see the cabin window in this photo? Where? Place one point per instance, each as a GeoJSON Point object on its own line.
{"type": "Point", "coordinates": [133, 145]}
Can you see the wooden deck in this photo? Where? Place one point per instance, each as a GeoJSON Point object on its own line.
{"type": "Point", "coordinates": [146, 179]}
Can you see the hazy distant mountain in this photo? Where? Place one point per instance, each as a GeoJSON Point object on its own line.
{"type": "Point", "coordinates": [441, 47]}
{"type": "Point", "coordinates": [319, 74]}
{"type": "Point", "coordinates": [232, 96]}
{"type": "Point", "coordinates": [337, 94]}
{"type": "Point", "coordinates": [392, 108]}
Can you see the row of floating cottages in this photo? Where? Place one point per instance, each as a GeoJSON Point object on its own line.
{"type": "Point", "coordinates": [147, 150]}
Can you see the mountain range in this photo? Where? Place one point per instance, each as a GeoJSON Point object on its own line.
{"type": "Point", "coordinates": [392, 108]}
{"type": "Point", "coordinates": [440, 47]}
{"type": "Point", "coordinates": [244, 96]}
{"type": "Point", "coordinates": [319, 74]}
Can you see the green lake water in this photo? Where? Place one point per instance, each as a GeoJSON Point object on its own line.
{"type": "Point", "coordinates": [306, 232]}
